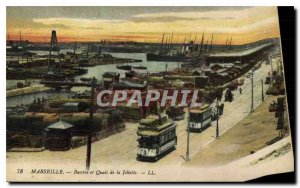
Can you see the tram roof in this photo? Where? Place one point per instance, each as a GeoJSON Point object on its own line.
{"type": "Point", "coordinates": [199, 110]}
{"type": "Point", "coordinates": [158, 131]}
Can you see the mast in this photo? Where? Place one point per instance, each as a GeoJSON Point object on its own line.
{"type": "Point", "coordinates": [87, 51]}
{"type": "Point", "coordinates": [166, 45]}
{"type": "Point", "coordinates": [201, 45]}
{"type": "Point", "coordinates": [74, 48]}
{"type": "Point", "coordinates": [226, 42]}
{"type": "Point", "coordinates": [162, 42]}
{"type": "Point", "coordinates": [19, 47]}
{"type": "Point", "coordinates": [171, 41]}
{"type": "Point", "coordinates": [206, 46]}
{"type": "Point", "coordinates": [183, 46]}
{"type": "Point", "coordinates": [20, 39]}
{"type": "Point", "coordinates": [211, 41]}
{"type": "Point", "coordinates": [7, 41]}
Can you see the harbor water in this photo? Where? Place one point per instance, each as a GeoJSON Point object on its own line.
{"type": "Point", "coordinates": [96, 71]}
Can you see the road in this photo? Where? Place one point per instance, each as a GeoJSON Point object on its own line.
{"type": "Point", "coordinates": [119, 150]}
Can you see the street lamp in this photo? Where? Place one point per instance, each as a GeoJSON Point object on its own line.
{"type": "Point", "coordinates": [217, 128]}
{"type": "Point", "coordinates": [262, 90]}
{"type": "Point", "coordinates": [271, 62]}
{"type": "Point", "coordinates": [90, 123]}
{"type": "Point", "coordinates": [250, 76]}
{"type": "Point", "coordinates": [187, 157]}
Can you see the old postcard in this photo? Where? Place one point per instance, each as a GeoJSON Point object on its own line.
{"type": "Point", "coordinates": [145, 94]}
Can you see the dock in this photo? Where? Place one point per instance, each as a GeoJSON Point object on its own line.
{"type": "Point", "coordinates": [27, 90]}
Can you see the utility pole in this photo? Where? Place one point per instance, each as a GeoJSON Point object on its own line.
{"type": "Point", "coordinates": [187, 157]}
{"type": "Point", "coordinates": [277, 63]}
{"type": "Point", "coordinates": [89, 144]}
{"type": "Point", "coordinates": [252, 92]}
{"type": "Point", "coordinates": [217, 128]}
{"type": "Point", "coordinates": [250, 76]}
{"type": "Point", "coordinates": [271, 71]}
{"type": "Point", "coordinates": [262, 90]}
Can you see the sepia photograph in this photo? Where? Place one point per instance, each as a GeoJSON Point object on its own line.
{"type": "Point", "coordinates": [146, 94]}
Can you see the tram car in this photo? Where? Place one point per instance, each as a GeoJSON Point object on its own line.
{"type": "Point", "coordinates": [157, 136]}
{"type": "Point", "coordinates": [200, 118]}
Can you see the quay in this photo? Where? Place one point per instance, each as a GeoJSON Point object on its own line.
{"type": "Point", "coordinates": [27, 90]}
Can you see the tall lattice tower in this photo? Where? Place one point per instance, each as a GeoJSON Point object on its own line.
{"type": "Point", "coordinates": [53, 40]}
{"type": "Point", "coordinates": [53, 47]}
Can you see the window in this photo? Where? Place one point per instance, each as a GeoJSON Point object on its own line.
{"type": "Point", "coordinates": [173, 133]}
{"type": "Point", "coordinates": [167, 137]}
{"type": "Point", "coordinates": [162, 138]}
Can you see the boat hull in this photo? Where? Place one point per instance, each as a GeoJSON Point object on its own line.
{"type": "Point", "coordinates": [155, 57]}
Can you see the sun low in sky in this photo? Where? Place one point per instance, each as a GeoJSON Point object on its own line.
{"type": "Point", "coordinates": [143, 24]}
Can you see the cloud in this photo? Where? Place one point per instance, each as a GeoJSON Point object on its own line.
{"type": "Point", "coordinates": [170, 19]}
{"type": "Point", "coordinates": [88, 28]}
{"type": "Point", "coordinates": [236, 22]}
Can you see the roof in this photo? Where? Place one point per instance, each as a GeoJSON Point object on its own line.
{"type": "Point", "coordinates": [221, 70]}
{"type": "Point", "coordinates": [229, 65]}
{"type": "Point", "coordinates": [73, 104]}
{"type": "Point", "coordinates": [237, 67]}
{"type": "Point", "coordinates": [207, 70]}
{"type": "Point", "coordinates": [128, 85]}
{"type": "Point", "coordinates": [223, 74]}
{"type": "Point", "coordinates": [240, 53]}
{"type": "Point", "coordinates": [160, 129]}
{"type": "Point", "coordinates": [199, 110]}
{"type": "Point", "coordinates": [60, 125]}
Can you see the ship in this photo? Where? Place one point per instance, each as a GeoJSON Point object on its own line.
{"type": "Point", "coordinates": [140, 67]}
{"type": "Point", "coordinates": [124, 67]}
{"type": "Point", "coordinates": [171, 58]}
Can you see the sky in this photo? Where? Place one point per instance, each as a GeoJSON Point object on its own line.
{"type": "Point", "coordinates": [143, 24]}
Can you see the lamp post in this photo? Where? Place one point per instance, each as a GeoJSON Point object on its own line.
{"type": "Point", "coordinates": [262, 90]}
{"type": "Point", "coordinates": [250, 76]}
{"type": "Point", "coordinates": [217, 128]}
{"type": "Point", "coordinates": [271, 72]}
{"type": "Point", "coordinates": [89, 140]}
{"type": "Point", "coordinates": [187, 157]}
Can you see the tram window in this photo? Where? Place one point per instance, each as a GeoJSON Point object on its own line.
{"type": "Point", "coordinates": [195, 117]}
{"type": "Point", "coordinates": [173, 133]}
{"type": "Point", "coordinates": [206, 114]}
{"type": "Point", "coordinates": [162, 138]}
{"type": "Point", "coordinates": [167, 137]}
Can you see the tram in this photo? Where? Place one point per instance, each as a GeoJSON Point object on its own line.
{"type": "Point", "coordinates": [157, 136]}
{"type": "Point", "coordinates": [200, 118]}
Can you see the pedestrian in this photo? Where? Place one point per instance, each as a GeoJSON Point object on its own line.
{"type": "Point", "coordinates": [240, 90]}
